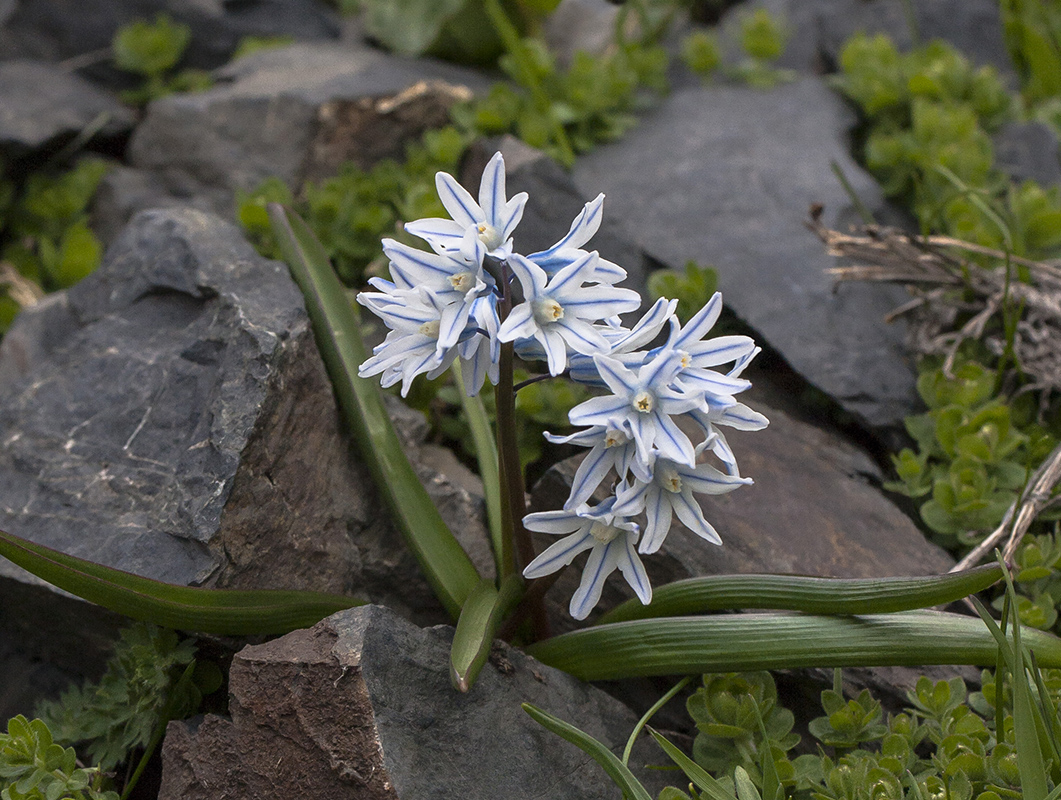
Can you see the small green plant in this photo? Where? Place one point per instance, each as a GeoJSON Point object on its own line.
{"type": "Point", "coordinates": [761, 39]}
{"type": "Point", "coordinates": [122, 712]}
{"type": "Point", "coordinates": [692, 287]}
{"type": "Point", "coordinates": [351, 211]}
{"type": "Point", "coordinates": [565, 112]}
{"type": "Point", "coordinates": [153, 50]}
{"type": "Point", "coordinates": [974, 453]}
{"type": "Point", "coordinates": [701, 53]}
{"type": "Point", "coordinates": [34, 767]}
{"type": "Point", "coordinates": [45, 240]}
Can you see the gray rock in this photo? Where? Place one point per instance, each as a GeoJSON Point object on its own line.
{"type": "Point", "coordinates": [53, 31]}
{"type": "Point", "coordinates": [170, 416]}
{"type": "Point", "coordinates": [580, 25]}
{"type": "Point", "coordinates": [725, 176]}
{"type": "Point", "coordinates": [1028, 151]}
{"type": "Point", "coordinates": [818, 29]}
{"type": "Point", "coordinates": [553, 204]}
{"type": "Point", "coordinates": [262, 119]}
{"type": "Point", "coordinates": [360, 706]}
{"type": "Point", "coordinates": [43, 106]}
{"type": "Point", "coordinates": [813, 510]}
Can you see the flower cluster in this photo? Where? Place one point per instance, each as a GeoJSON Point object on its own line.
{"type": "Point", "coordinates": [449, 306]}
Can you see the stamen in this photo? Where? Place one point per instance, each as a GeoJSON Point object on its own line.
{"type": "Point", "coordinates": [603, 532]}
{"type": "Point", "coordinates": [489, 235]}
{"type": "Point", "coordinates": [462, 281]}
{"type": "Point", "coordinates": [431, 328]}
{"type": "Point", "coordinates": [671, 480]}
{"type": "Point", "coordinates": [615, 438]}
{"type": "Point", "coordinates": [687, 359]}
{"type": "Point", "coordinates": [644, 401]}
{"type": "Point", "coordinates": [546, 311]}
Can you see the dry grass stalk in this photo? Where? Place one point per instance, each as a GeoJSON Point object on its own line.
{"type": "Point", "coordinates": [949, 286]}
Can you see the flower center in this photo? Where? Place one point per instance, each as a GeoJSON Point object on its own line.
{"type": "Point", "coordinates": [603, 532]}
{"type": "Point", "coordinates": [671, 480]}
{"type": "Point", "coordinates": [615, 438]}
{"type": "Point", "coordinates": [687, 360]}
{"type": "Point", "coordinates": [546, 311]}
{"type": "Point", "coordinates": [462, 281]}
{"type": "Point", "coordinates": [430, 328]}
{"type": "Point", "coordinates": [489, 235]}
{"type": "Point", "coordinates": [644, 401]}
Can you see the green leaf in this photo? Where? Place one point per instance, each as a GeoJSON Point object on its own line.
{"type": "Point", "coordinates": [615, 768]}
{"type": "Point", "coordinates": [685, 645]}
{"type": "Point", "coordinates": [807, 594]}
{"type": "Point", "coordinates": [445, 564]}
{"type": "Point", "coordinates": [703, 781]}
{"type": "Point", "coordinates": [150, 48]}
{"type": "Point", "coordinates": [227, 612]}
{"type": "Point", "coordinates": [483, 612]}
{"type": "Point", "coordinates": [409, 27]}
{"type": "Point", "coordinates": [486, 458]}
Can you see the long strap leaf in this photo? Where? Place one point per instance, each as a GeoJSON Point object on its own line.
{"type": "Point", "coordinates": [690, 645]}
{"type": "Point", "coordinates": [228, 612]}
{"type": "Point", "coordinates": [804, 593]}
{"type": "Point", "coordinates": [616, 769]}
{"type": "Point", "coordinates": [445, 564]}
{"type": "Point", "coordinates": [480, 618]}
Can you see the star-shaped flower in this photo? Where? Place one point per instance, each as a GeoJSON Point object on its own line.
{"type": "Point", "coordinates": [671, 492]}
{"type": "Point", "coordinates": [699, 356]}
{"type": "Point", "coordinates": [411, 348]}
{"type": "Point", "coordinates": [611, 541]}
{"type": "Point", "coordinates": [643, 402]}
{"type": "Point", "coordinates": [490, 221]}
{"type": "Point", "coordinates": [569, 248]}
{"type": "Point", "coordinates": [558, 312]}
{"type": "Point", "coordinates": [611, 447]}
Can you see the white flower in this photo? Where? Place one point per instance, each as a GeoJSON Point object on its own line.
{"type": "Point", "coordinates": [699, 356]}
{"type": "Point", "coordinates": [671, 492]}
{"type": "Point", "coordinates": [411, 348]}
{"type": "Point", "coordinates": [612, 447]}
{"type": "Point", "coordinates": [558, 312]}
{"type": "Point", "coordinates": [643, 403]}
{"type": "Point", "coordinates": [568, 249]}
{"type": "Point", "coordinates": [490, 221]}
{"type": "Point", "coordinates": [610, 540]}
{"type": "Point", "coordinates": [624, 343]}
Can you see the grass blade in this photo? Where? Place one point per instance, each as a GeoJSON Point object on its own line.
{"type": "Point", "coordinates": [483, 612]}
{"type": "Point", "coordinates": [228, 612]}
{"type": "Point", "coordinates": [1030, 764]}
{"type": "Point", "coordinates": [616, 769]}
{"type": "Point", "coordinates": [486, 458]}
{"type": "Point", "coordinates": [807, 594]}
{"type": "Point", "coordinates": [445, 564]}
{"type": "Point", "coordinates": [693, 771]}
{"type": "Point", "coordinates": [744, 642]}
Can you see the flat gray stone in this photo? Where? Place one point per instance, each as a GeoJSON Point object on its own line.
{"type": "Point", "coordinates": [360, 706]}
{"type": "Point", "coordinates": [261, 119]}
{"type": "Point", "coordinates": [1028, 151]}
{"type": "Point", "coordinates": [54, 31]}
{"type": "Point", "coordinates": [815, 509]}
{"type": "Point", "coordinates": [171, 416]}
{"type": "Point", "coordinates": [725, 176]}
{"type": "Point", "coordinates": [818, 29]}
{"type": "Point", "coordinates": [44, 106]}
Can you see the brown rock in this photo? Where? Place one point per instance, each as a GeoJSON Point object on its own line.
{"type": "Point", "coordinates": [360, 706]}
{"type": "Point", "coordinates": [811, 511]}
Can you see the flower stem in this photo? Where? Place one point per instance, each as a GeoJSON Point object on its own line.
{"type": "Point", "coordinates": [514, 506]}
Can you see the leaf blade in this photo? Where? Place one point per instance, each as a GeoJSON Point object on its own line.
{"type": "Point", "coordinates": [230, 612]}
{"type": "Point", "coordinates": [812, 595]}
{"type": "Point", "coordinates": [445, 564]}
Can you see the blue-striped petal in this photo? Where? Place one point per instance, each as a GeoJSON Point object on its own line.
{"type": "Point", "coordinates": [634, 571]}
{"type": "Point", "coordinates": [460, 205]}
{"type": "Point", "coordinates": [559, 554]}
{"type": "Point", "coordinates": [692, 516]}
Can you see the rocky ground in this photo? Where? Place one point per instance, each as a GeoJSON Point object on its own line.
{"type": "Point", "coordinates": [171, 416]}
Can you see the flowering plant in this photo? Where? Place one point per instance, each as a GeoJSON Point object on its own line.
{"type": "Point", "coordinates": [474, 301]}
